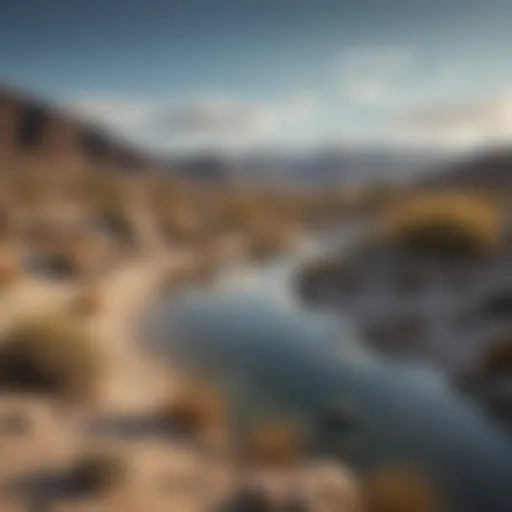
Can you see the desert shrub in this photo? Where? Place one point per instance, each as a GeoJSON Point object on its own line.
{"type": "Point", "coordinates": [312, 278]}
{"type": "Point", "coordinates": [332, 486]}
{"type": "Point", "coordinates": [326, 269]}
{"type": "Point", "coordinates": [250, 498]}
{"type": "Point", "coordinates": [498, 304]}
{"type": "Point", "coordinates": [39, 232]}
{"type": "Point", "coordinates": [10, 270]}
{"type": "Point", "coordinates": [55, 263]}
{"type": "Point", "coordinates": [204, 269]}
{"type": "Point", "coordinates": [87, 301]}
{"type": "Point", "coordinates": [241, 210]}
{"type": "Point", "coordinates": [180, 224]}
{"type": "Point", "coordinates": [266, 240]}
{"type": "Point", "coordinates": [170, 280]}
{"type": "Point", "coordinates": [377, 195]}
{"type": "Point", "coordinates": [445, 225]}
{"type": "Point", "coordinates": [275, 443]}
{"type": "Point", "coordinates": [52, 355]}
{"type": "Point", "coordinates": [116, 221]}
{"type": "Point", "coordinates": [26, 188]}
{"type": "Point", "coordinates": [497, 357]}
{"type": "Point", "coordinates": [410, 279]}
{"type": "Point", "coordinates": [332, 272]}
{"type": "Point", "coordinates": [108, 198]}
{"type": "Point", "coordinates": [195, 409]}
{"type": "Point", "coordinates": [92, 252]}
{"type": "Point", "coordinates": [97, 471]}
{"type": "Point", "coordinates": [399, 333]}
{"type": "Point", "coordinates": [101, 190]}
{"type": "Point", "coordinates": [5, 222]}
{"type": "Point", "coordinates": [400, 489]}
{"type": "Point", "coordinates": [178, 212]}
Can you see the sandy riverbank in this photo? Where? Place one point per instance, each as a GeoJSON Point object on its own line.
{"type": "Point", "coordinates": [38, 439]}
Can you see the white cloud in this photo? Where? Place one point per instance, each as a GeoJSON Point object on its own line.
{"type": "Point", "coordinates": [218, 116]}
{"type": "Point", "coordinates": [209, 121]}
{"type": "Point", "coordinates": [481, 122]}
{"type": "Point", "coordinates": [115, 113]}
{"type": "Point", "coordinates": [367, 93]}
{"type": "Point", "coordinates": [298, 108]}
{"type": "Point", "coordinates": [227, 116]}
{"type": "Point", "coordinates": [368, 74]}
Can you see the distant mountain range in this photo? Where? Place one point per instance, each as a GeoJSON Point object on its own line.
{"type": "Point", "coordinates": [321, 167]}
{"type": "Point", "coordinates": [33, 129]}
{"type": "Point", "coordinates": [490, 168]}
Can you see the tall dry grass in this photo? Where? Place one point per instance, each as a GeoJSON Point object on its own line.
{"type": "Point", "coordinates": [445, 224]}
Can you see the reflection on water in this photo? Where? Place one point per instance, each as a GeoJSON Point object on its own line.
{"type": "Point", "coordinates": [271, 356]}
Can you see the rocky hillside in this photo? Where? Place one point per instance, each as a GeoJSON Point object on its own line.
{"type": "Point", "coordinates": [34, 130]}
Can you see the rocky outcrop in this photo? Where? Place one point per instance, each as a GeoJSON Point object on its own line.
{"type": "Point", "coordinates": [32, 130]}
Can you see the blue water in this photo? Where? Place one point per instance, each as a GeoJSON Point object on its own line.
{"type": "Point", "coordinates": [274, 357]}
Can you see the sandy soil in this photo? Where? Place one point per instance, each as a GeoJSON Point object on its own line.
{"type": "Point", "coordinates": [39, 439]}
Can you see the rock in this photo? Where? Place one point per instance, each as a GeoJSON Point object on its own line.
{"type": "Point", "coordinates": [410, 280]}
{"type": "Point", "coordinates": [397, 334]}
{"type": "Point", "coordinates": [339, 416]}
{"type": "Point", "coordinates": [248, 499]}
{"type": "Point", "coordinates": [295, 503]}
{"type": "Point", "coordinates": [330, 487]}
{"type": "Point", "coordinates": [499, 304]}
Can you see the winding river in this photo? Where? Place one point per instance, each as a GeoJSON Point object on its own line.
{"type": "Point", "coordinates": [272, 356]}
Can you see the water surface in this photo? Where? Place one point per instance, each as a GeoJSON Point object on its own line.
{"type": "Point", "coordinates": [272, 357]}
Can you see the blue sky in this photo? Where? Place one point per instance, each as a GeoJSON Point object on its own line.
{"type": "Point", "coordinates": [259, 73]}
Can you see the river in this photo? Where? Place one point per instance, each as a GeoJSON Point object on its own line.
{"type": "Point", "coordinates": [272, 356]}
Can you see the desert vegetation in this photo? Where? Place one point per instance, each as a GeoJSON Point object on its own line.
{"type": "Point", "coordinates": [122, 391]}
{"type": "Point", "coordinates": [89, 242]}
{"type": "Point", "coordinates": [445, 225]}
{"type": "Point", "coordinates": [10, 269]}
{"type": "Point", "coordinates": [87, 301]}
{"type": "Point", "coordinates": [431, 271]}
{"type": "Point", "coordinates": [97, 471]}
{"type": "Point", "coordinates": [195, 408]}
{"type": "Point", "coordinates": [274, 443]}
{"type": "Point", "coordinates": [400, 489]}
{"type": "Point", "coordinates": [317, 278]}
{"type": "Point", "coordinates": [496, 359]}
{"type": "Point", "coordinates": [399, 334]}
{"type": "Point", "coordinates": [52, 355]}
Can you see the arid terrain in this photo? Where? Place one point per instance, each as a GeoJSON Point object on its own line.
{"type": "Point", "coordinates": [93, 233]}
{"type": "Point", "coordinates": [89, 419]}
